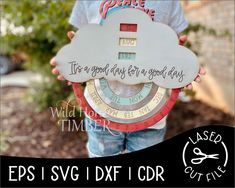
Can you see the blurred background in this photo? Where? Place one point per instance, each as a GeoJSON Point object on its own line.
{"type": "Point", "coordinates": [34, 103]}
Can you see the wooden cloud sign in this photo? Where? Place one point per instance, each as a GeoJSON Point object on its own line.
{"type": "Point", "coordinates": [129, 47]}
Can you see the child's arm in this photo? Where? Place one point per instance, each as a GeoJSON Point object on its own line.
{"type": "Point", "coordinates": [202, 71]}
{"type": "Point", "coordinates": [77, 19]}
{"type": "Point", "coordinates": [179, 24]}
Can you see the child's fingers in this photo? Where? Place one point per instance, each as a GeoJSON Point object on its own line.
{"type": "Point", "coordinates": [183, 39]}
{"type": "Point", "coordinates": [70, 34]}
{"type": "Point", "coordinates": [202, 71]}
{"type": "Point", "coordinates": [190, 86]}
{"type": "Point", "coordinates": [198, 79]}
{"type": "Point", "coordinates": [53, 62]}
{"type": "Point", "coordinates": [60, 77]}
{"type": "Point", "coordinates": [55, 71]}
{"type": "Point", "coordinates": [69, 83]}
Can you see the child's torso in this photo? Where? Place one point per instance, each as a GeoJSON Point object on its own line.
{"type": "Point", "coordinates": [97, 10]}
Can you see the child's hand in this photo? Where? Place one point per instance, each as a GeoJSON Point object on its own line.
{"type": "Point", "coordinates": [202, 71]}
{"type": "Point", "coordinates": [55, 71]}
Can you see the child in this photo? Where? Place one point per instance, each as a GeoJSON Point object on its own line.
{"type": "Point", "coordinates": [102, 141]}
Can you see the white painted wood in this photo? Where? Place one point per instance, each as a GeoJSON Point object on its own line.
{"type": "Point", "coordinates": [158, 54]}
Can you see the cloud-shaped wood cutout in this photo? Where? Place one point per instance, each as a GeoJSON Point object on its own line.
{"type": "Point", "coordinates": [129, 47]}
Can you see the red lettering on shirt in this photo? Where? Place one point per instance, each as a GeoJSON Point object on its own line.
{"type": "Point", "coordinates": [138, 4]}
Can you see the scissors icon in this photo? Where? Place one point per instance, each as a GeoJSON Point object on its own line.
{"type": "Point", "coordinates": [204, 156]}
